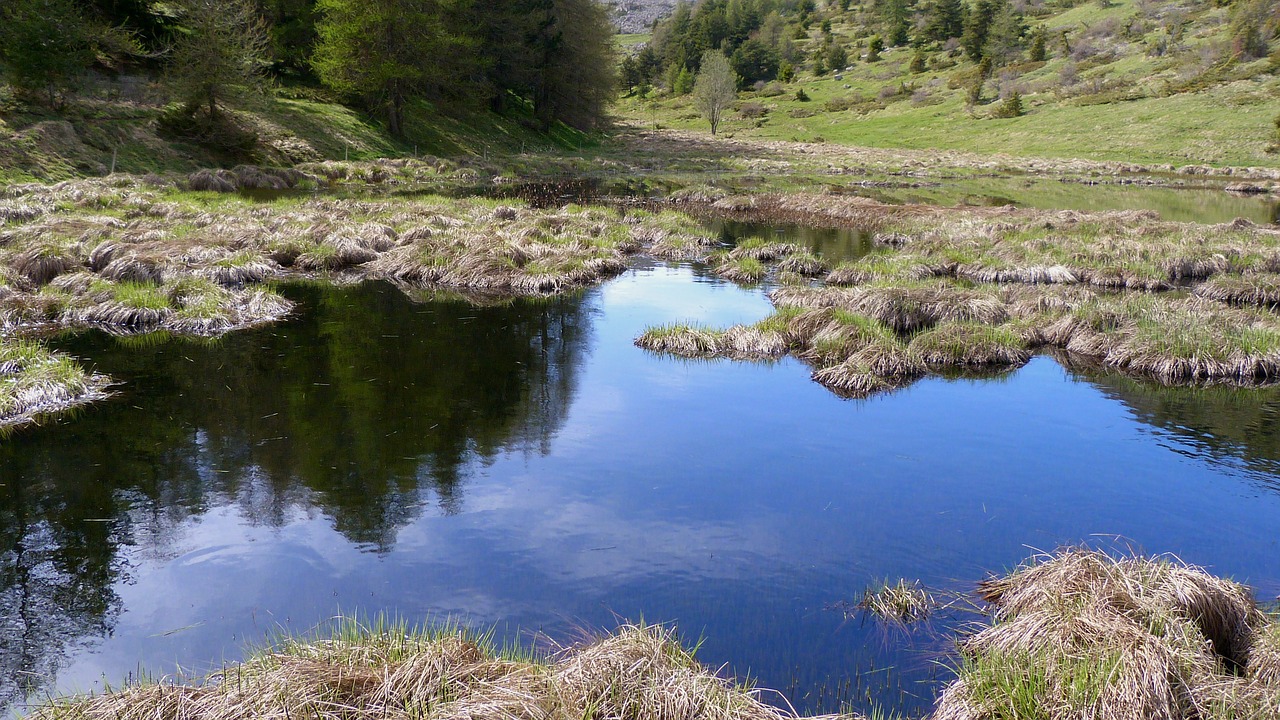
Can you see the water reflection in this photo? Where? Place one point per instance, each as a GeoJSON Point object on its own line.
{"type": "Point", "coordinates": [365, 407]}
{"type": "Point", "coordinates": [832, 244]}
{"type": "Point", "coordinates": [527, 467]}
{"type": "Point", "coordinates": [1238, 427]}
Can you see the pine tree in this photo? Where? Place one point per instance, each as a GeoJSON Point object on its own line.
{"type": "Point", "coordinates": [387, 52]}
{"type": "Point", "coordinates": [945, 20]}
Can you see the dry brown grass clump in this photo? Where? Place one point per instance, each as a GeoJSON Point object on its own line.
{"type": "Point", "coordinates": [1260, 289]}
{"type": "Point", "coordinates": [392, 673]}
{"type": "Point", "coordinates": [1080, 634]}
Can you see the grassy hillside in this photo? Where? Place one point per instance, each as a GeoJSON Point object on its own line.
{"type": "Point", "coordinates": [1129, 80]}
{"type": "Point", "coordinates": [93, 136]}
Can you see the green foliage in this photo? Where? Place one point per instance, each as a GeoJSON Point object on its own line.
{"type": "Point", "coordinates": [1253, 24]}
{"type": "Point", "coordinates": [837, 58]}
{"type": "Point", "coordinates": [683, 83]}
{"type": "Point", "coordinates": [1004, 35]}
{"type": "Point", "coordinates": [715, 89]}
{"type": "Point", "coordinates": [45, 45]}
{"type": "Point", "coordinates": [1038, 51]}
{"type": "Point", "coordinates": [977, 26]}
{"type": "Point", "coordinates": [801, 95]}
{"type": "Point", "coordinates": [386, 52]}
{"type": "Point", "coordinates": [1011, 107]}
{"type": "Point", "coordinates": [896, 19]}
{"type": "Point", "coordinates": [220, 52]}
{"type": "Point", "coordinates": [946, 20]}
{"type": "Point", "coordinates": [786, 72]}
{"type": "Point", "coordinates": [754, 61]}
{"type": "Point", "coordinates": [874, 48]}
{"type": "Point", "coordinates": [918, 62]}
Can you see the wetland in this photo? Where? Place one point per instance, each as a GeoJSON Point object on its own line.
{"type": "Point", "coordinates": [435, 407]}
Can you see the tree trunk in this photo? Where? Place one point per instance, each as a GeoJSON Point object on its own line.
{"type": "Point", "coordinates": [395, 110]}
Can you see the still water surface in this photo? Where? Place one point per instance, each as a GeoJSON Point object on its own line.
{"type": "Point", "coordinates": [526, 467]}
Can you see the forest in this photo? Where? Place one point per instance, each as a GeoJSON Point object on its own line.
{"type": "Point", "coordinates": [553, 56]}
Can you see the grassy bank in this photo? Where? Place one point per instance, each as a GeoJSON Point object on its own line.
{"type": "Point", "coordinates": [391, 671]}
{"type": "Point", "coordinates": [92, 137]}
{"type": "Point", "coordinates": [1074, 634]}
{"type": "Point", "coordinates": [1125, 80]}
{"type": "Point", "coordinates": [950, 289]}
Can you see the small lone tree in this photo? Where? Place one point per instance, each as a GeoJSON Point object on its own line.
{"type": "Point", "coordinates": [716, 88]}
{"type": "Point", "coordinates": [219, 54]}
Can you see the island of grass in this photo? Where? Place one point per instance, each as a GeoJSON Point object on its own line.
{"type": "Point", "coordinates": [137, 255]}
{"type": "Point", "coordinates": [1074, 634]}
{"type": "Point", "coordinates": [35, 382]}
{"type": "Point", "coordinates": [964, 289]}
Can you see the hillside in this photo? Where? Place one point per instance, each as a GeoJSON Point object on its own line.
{"type": "Point", "coordinates": [1128, 80]}
{"type": "Point", "coordinates": [637, 16]}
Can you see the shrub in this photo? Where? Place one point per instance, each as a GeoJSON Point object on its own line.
{"type": "Point", "coordinates": [874, 48]}
{"type": "Point", "coordinates": [801, 95]}
{"type": "Point", "coordinates": [1011, 107]}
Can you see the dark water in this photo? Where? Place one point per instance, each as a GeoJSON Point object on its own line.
{"type": "Point", "coordinates": [832, 244]}
{"type": "Point", "coordinates": [525, 466]}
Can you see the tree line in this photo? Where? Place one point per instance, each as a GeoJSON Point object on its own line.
{"type": "Point", "coordinates": [556, 56]}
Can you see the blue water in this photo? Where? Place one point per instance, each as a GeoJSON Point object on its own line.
{"type": "Point", "coordinates": [526, 467]}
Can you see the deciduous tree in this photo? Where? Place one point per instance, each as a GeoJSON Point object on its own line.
{"type": "Point", "coordinates": [715, 89]}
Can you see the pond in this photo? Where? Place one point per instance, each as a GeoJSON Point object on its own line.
{"type": "Point", "coordinates": [525, 467]}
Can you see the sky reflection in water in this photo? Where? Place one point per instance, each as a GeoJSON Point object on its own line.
{"type": "Point", "coordinates": [527, 466]}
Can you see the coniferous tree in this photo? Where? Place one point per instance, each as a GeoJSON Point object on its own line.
{"type": "Point", "coordinates": [946, 20]}
{"type": "Point", "coordinates": [387, 52]}
{"type": "Point", "coordinates": [977, 26]}
{"type": "Point", "coordinates": [1039, 51]}
{"type": "Point", "coordinates": [45, 45]}
{"type": "Point", "coordinates": [219, 54]}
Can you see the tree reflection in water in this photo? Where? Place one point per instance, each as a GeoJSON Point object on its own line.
{"type": "Point", "coordinates": [365, 407]}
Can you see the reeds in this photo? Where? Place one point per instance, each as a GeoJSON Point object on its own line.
{"type": "Point", "coordinates": [902, 603]}
{"type": "Point", "coordinates": [391, 672]}
{"type": "Point", "coordinates": [1082, 634]}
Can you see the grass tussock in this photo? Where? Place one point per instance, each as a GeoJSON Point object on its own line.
{"type": "Point", "coordinates": [902, 602]}
{"type": "Point", "coordinates": [745, 270]}
{"type": "Point", "coordinates": [389, 671]}
{"type": "Point", "coordinates": [1082, 634]}
{"type": "Point", "coordinates": [130, 232]}
{"type": "Point", "coordinates": [967, 344]}
{"type": "Point", "coordinates": [1256, 289]}
{"type": "Point", "coordinates": [35, 381]}
{"type": "Point", "coordinates": [765, 340]}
